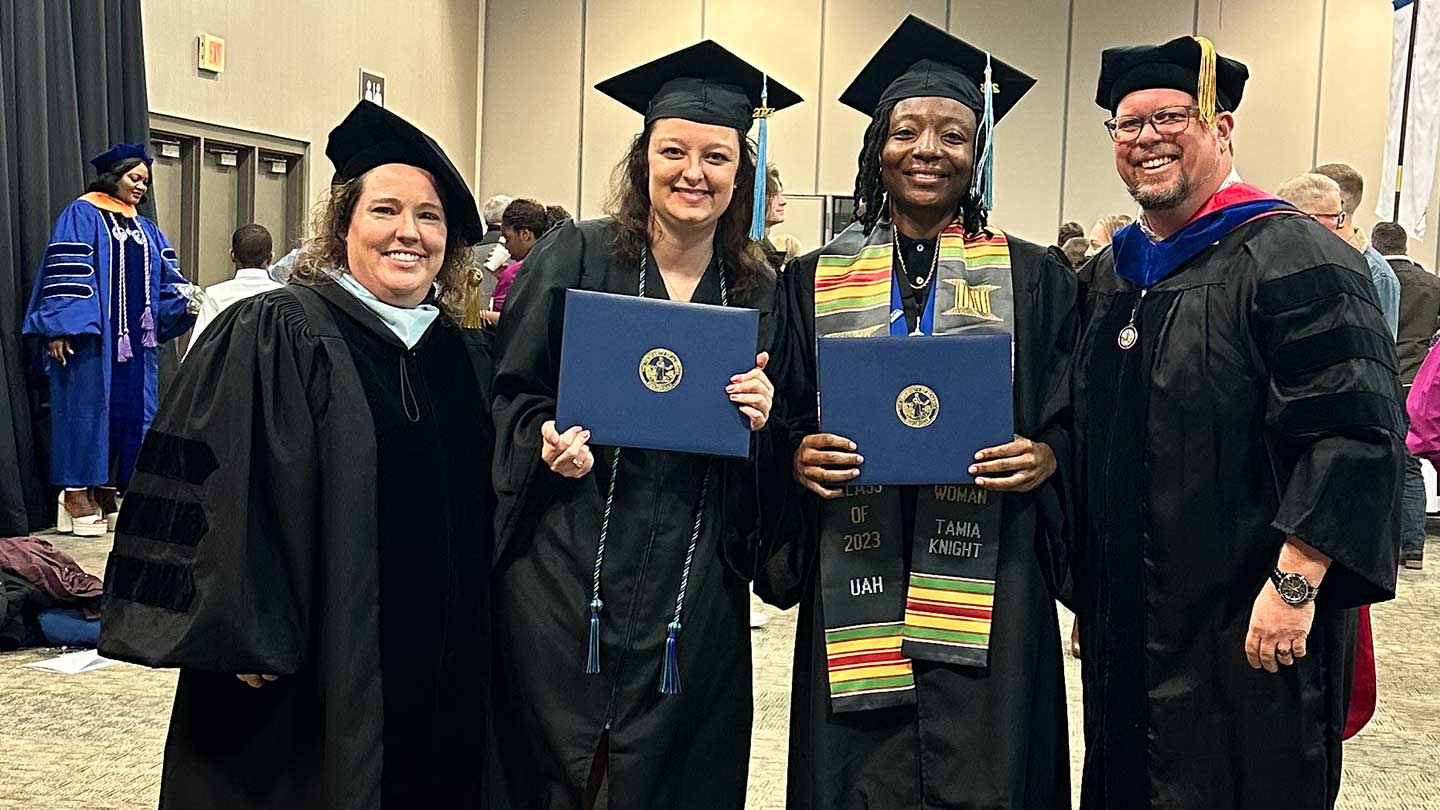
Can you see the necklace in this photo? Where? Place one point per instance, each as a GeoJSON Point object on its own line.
{"type": "Point", "coordinates": [904, 271]}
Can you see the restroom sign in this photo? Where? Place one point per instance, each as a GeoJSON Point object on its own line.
{"type": "Point", "coordinates": [212, 53]}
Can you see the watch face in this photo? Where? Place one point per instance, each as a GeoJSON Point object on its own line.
{"type": "Point", "coordinates": [1293, 588]}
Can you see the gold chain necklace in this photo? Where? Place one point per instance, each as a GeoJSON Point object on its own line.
{"type": "Point", "coordinates": [904, 271]}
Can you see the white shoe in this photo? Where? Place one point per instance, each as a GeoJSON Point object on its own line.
{"type": "Point", "coordinates": [87, 526]}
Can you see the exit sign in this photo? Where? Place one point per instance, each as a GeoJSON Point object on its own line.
{"type": "Point", "coordinates": [212, 53]}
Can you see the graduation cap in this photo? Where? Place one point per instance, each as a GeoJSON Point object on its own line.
{"type": "Point", "coordinates": [373, 136]}
{"type": "Point", "coordinates": [120, 151]}
{"type": "Point", "coordinates": [921, 60]}
{"type": "Point", "coordinates": [707, 84]}
{"type": "Point", "coordinates": [1189, 64]}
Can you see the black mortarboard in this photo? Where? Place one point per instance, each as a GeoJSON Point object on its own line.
{"type": "Point", "coordinates": [920, 59]}
{"type": "Point", "coordinates": [1177, 65]}
{"type": "Point", "coordinates": [373, 136]}
{"type": "Point", "coordinates": [704, 83]}
{"type": "Point", "coordinates": [120, 151]}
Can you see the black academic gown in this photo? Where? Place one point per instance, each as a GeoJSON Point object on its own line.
{"type": "Point", "coordinates": [1260, 400]}
{"type": "Point", "coordinates": [976, 738]}
{"type": "Point", "coordinates": [687, 750]}
{"type": "Point", "coordinates": [313, 501]}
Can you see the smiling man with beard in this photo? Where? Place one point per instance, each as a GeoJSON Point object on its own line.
{"type": "Point", "coordinates": [1238, 431]}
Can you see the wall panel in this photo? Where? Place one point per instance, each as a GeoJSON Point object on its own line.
{"type": "Point", "coordinates": [1092, 188]}
{"type": "Point", "coordinates": [1275, 125]}
{"type": "Point", "coordinates": [531, 121]}
{"type": "Point", "coordinates": [1029, 141]}
{"type": "Point", "coordinates": [620, 34]}
{"type": "Point", "coordinates": [853, 30]}
{"type": "Point", "coordinates": [782, 37]}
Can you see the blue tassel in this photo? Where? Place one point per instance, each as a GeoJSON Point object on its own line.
{"type": "Point", "coordinates": [757, 211]}
{"type": "Point", "coordinates": [983, 185]}
{"type": "Point", "coordinates": [592, 655]}
{"type": "Point", "coordinates": [670, 673]}
{"type": "Point", "coordinates": [122, 349]}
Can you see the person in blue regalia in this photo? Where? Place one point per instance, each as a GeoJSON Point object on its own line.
{"type": "Point", "coordinates": [108, 293]}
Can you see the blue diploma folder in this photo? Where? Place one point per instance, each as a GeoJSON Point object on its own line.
{"type": "Point", "coordinates": [647, 373]}
{"type": "Point", "coordinates": [917, 408]}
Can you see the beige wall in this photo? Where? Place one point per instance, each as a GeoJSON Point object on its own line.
{"type": "Point", "coordinates": [292, 68]}
{"type": "Point", "coordinates": [1318, 91]}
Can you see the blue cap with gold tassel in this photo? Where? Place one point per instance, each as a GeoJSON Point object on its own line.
{"type": "Point", "coordinates": [762, 113]}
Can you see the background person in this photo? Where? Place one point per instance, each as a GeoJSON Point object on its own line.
{"type": "Point", "coordinates": [1419, 319]}
{"type": "Point", "coordinates": [250, 252]}
{"type": "Point", "coordinates": [108, 293]}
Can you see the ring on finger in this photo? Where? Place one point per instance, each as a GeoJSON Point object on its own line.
{"type": "Point", "coordinates": [579, 465]}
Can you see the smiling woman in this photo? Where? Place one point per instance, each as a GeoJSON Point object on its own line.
{"type": "Point", "coordinates": [657, 541]}
{"type": "Point", "coordinates": [328, 442]}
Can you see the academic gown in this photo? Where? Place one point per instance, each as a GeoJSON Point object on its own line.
{"type": "Point", "coordinates": [1260, 401]}
{"type": "Point", "coordinates": [992, 737]}
{"type": "Point", "coordinates": [314, 502]}
{"type": "Point", "coordinates": [100, 406]}
{"type": "Point", "coordinates": [686, 750]}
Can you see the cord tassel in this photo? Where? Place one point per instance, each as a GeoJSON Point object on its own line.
{"type": "Point", "coordinates": [592, 655]}
{"type": "Point", "coordinates": [670, 673]}
{"type": "Point", "coordinates": [147, 329]}
{"type": "Point", "coordinates": [983, 186]}
{"type": "Point", "coordinates": [757, 211]}
{"type": "Point", "coordinates": [122, 349]}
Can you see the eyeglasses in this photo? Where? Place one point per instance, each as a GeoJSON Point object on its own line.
{"type": "Point", "coordinates": [1339, 218]}
{"type": "Point", "coordinates": [1166, 121]}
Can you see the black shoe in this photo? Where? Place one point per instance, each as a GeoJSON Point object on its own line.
{"type": "Point", "coordinates": [1414, 560]}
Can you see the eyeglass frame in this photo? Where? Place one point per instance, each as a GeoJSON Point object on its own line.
{"type": "Point", "coordinates": [1112, 125]}
{"type": "Point", "coordinates": [1339, 218]}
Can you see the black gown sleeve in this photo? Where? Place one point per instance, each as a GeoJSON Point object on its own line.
{"type": "Point", "coordinates": [1053, 317]}
{"type": "Point", "coordinates": [1334, 413]}
{"type": "Point", "coordinates": [787, 510]}
{"type": "Point", "coordinates": [527, 373]}
{"type": "Point", "coordinates": [214, 561]}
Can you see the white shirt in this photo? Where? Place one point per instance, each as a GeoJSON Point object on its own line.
{"type": "Point", "coordinates": [248, 281]}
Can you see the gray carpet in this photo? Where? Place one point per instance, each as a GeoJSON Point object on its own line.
{"type": "Point", "coordinates": [94, 741]}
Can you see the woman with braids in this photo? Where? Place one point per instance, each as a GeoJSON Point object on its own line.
{"type": "Point", "coordinates": [943, 688]}
{"type": "Point", "coordinates": [615, 567]}
{"type": "Point", "coordinates": [308, 535]}
{"type": "Point", "coordinates": [109, 291]}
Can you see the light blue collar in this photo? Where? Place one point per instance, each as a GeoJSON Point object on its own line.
{"type": "Point", "coordinates": [408, 324]}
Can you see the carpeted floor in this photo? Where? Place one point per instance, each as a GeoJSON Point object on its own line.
{"type": "Point", "coordinates": [94, 741]}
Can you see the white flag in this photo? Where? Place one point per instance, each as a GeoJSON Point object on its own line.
{"type": "Point", "coordinates": [1423, 127]}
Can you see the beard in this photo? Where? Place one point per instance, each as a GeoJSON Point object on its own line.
{"type": "Point", "coordinates": [1161, 197]}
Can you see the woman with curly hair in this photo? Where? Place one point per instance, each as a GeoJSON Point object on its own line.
{"type": "Point", "coordinates": [942, 686]}
{"type": "Point", "coordinates": [308, 534]}
{"type": "Point", "coordinates": [602, 551]}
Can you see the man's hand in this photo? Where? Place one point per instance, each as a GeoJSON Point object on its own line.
{"type": "Point", "coordinates": [1277, 630]}
{"type": "Point", "coordinates": [1017, 466]}
{"type": "Point", "coordinates": [257, 681]}
{"type": "Point", "coordinates": [825, 463]}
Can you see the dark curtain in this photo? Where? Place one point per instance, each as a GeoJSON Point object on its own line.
{"type": "Point", "coordinates": [72, 82]}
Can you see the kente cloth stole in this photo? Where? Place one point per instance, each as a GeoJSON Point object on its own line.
{"type": "Point", "coordinates": [880, 613]}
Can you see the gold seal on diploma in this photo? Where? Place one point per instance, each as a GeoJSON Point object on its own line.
{"type": "Point", "coordinates": [917, 406]}
{"type": "Point", "coordinates": [660, 370]}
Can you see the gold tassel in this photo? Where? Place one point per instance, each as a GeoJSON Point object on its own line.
{"type": "Point", "coordinates": [474, 302]}
{"type": "Point", "coordinates": [1205, 94]}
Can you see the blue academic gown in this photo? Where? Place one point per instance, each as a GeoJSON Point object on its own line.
{"type": "Point", "coordinates": [101, 405]}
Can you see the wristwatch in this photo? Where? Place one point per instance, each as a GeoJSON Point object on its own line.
{"type": "Point", "coordinates": [1294, 588]}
